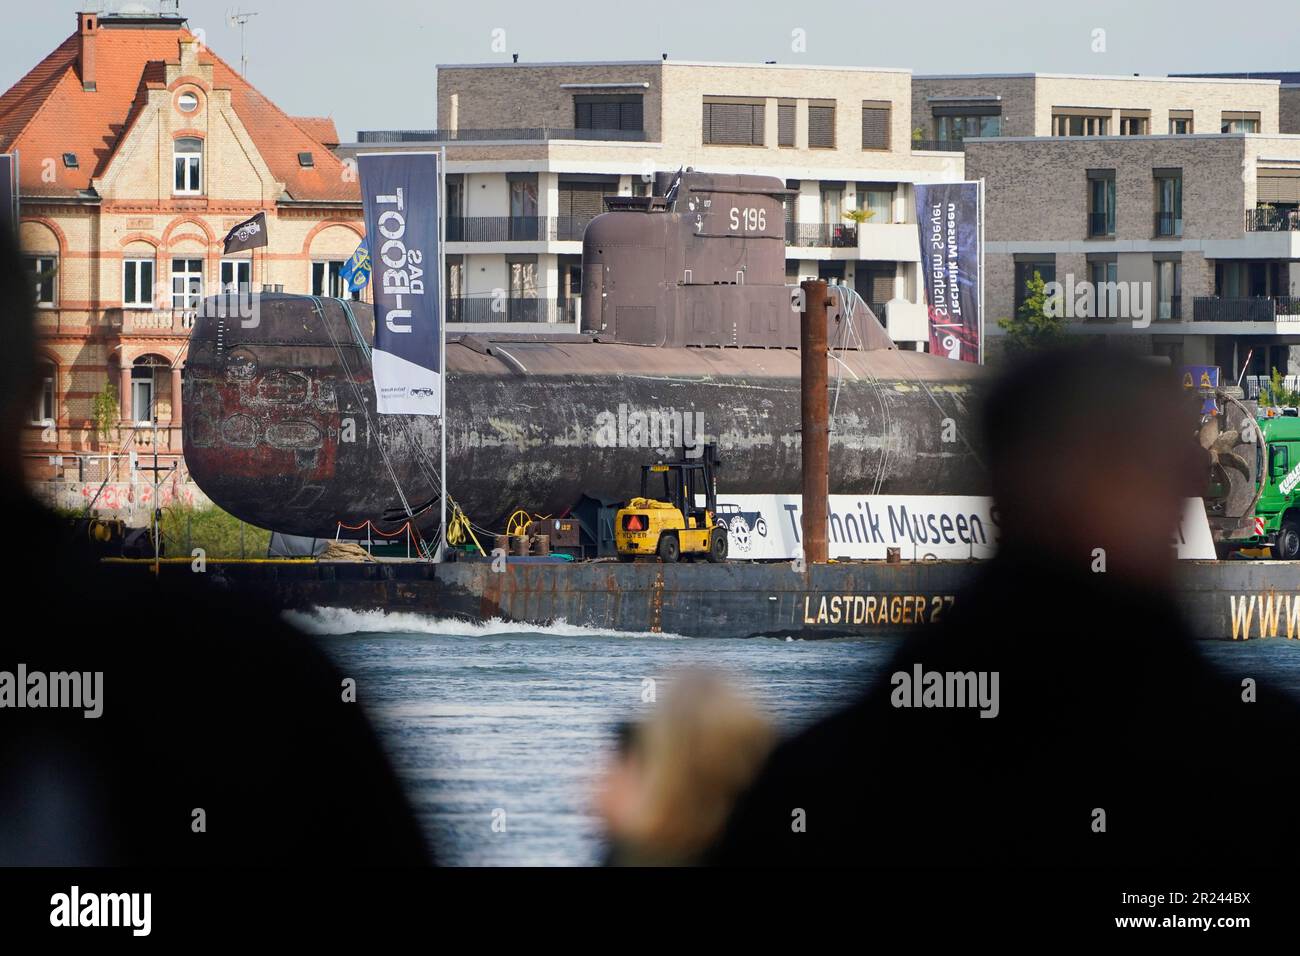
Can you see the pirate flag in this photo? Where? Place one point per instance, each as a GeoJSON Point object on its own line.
{"type": "Point", "coordinates": [249, 234]}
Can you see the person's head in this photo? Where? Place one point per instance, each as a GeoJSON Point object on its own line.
{"type": "Point", "coordinates": [675, 777]}
{"type": "Point", "coordinates": [1093, 449]}
{"type": "Point", "coordinates": [17, 357]}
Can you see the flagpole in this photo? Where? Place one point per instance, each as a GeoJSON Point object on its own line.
{"type": "Point", "coordinates": [442, 335]}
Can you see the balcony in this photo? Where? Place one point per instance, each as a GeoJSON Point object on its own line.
{"type": "Point", "coordinates": [1168, 225]}
{"type": "Point", "coordinates": [1262, 309]}
{"type": "Point", "coordinates": [538, 133]}
{"type": "Point", "coordinates": [1273, 220]}
{"type": "Point", "coordinates": [489, 309]}
{"type": "Point", "coordinates": [938, 145]}
{"type": "Point", "coordinates": [151, 321]}
{"type": "Point", "coordinates": [821, 235]}
{"type": "Point", "coordinates": [516, 228]}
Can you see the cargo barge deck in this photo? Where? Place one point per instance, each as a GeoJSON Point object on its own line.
{"type": "Point", "coordinates": [1223, 600]}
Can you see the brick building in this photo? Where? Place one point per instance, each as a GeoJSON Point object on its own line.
{"type": "Point", "coordinates": [139, 149]}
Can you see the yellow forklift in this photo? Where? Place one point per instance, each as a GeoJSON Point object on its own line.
{"type": "Point", "coordinates": [665, 520]}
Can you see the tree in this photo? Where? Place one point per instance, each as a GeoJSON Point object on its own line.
{"type": "Point", "coordinates": [1276, 392]}
{"type": "Point", "coordinates": [1033, 328]}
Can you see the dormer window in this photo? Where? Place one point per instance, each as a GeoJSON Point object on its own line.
{"type": "Point", "coordinates": [70, 161]}
{"type": "Point", "coordinates": [188, 156]}
{"type": "Point", "coordinates": [306, 160]}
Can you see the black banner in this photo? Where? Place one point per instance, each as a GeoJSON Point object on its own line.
{"type": "Point", "coordinates": [249, 234]}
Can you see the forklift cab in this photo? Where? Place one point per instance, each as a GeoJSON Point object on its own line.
{"type": "Point", "coordinates": [680, 484]}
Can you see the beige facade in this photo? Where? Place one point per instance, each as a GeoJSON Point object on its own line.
{"type": "Point", "coordinates": [1029, 103]}
{"type": "Point", "coordinates": [128, 252]}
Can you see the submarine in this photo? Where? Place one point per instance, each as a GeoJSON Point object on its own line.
{"type": "Point", "coordinates": [689, 335]}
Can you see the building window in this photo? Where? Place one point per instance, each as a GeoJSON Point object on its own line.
{"type": "Point", "coordinates": [137, 283]}
{"type": "Point", "coordinates": [522, 306]}
{"type": "Point", "coordinates": [1235, 122]}
{"type": "Point", "coordinates": [523, 209]}
{"type": "Point", "coordinates": [1180, 123]}
{"type": "Point", "coordinates": [875, 125]}
{"type": "Point", "coordinates": [1169, 203]}
{"type": "Point", "coordinates": [455, 288]}
{"type": "Point", "coordinates": [1026, 269]}
{"type": "Point", "coordinates": [785, 124]}
{"type": "Point", "coordinates": [1080, 124]}
{"type": "Point", "coordinates": [821, 127]}
{"type": "Point", "coordinates": [733, 124]}
{"type": "Point", "coordinates": [187, 102]}
{"type": "Point", "coordinates": [43, 412]}
{"type": "Point", "coordinates": [327, 283]}
{"type": "Point", "coordinates": [44, 270]}
{"type": "Point", "coordinates": [832, 204]}
{"type": "Point", "coordinates": [879, 201]}
{"type": "Point", "coordinates": [1103, 273]}
{"type": "Point", "coordinates": [1134, 124]}
{"type": "Point", "coordinates": [188, 161]}
{"type": "Point", "coordinates": [187, 284]}
{"type": "Point", "coordinates": [954, 128]}
{"type": "Point", "coordinates": [144, 388]}
{"type": "Point", "coordinates": [237, 275]}
{"type": "Point", "coordinates": [1101, 203]}
{"type": "Point", "coordinates": [1169, 288]}
{"type": "Point", "coordinates": [623, 112]}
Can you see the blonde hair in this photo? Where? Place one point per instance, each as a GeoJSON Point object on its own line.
{"type": "Point", "coordinates": [696, 753]}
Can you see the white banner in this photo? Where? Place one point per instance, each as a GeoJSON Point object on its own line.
{"type": "Point", "coordinates": [769, 527]}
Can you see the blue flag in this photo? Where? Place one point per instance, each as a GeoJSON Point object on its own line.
{"type": "Point", "coordinates": [356, 271]}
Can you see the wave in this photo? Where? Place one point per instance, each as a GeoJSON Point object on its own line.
{"type": "Point", "coordinates": [335, 621]}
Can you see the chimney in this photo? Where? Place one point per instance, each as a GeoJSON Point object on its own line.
{"type": "Point", "coordinates": [87, 27]}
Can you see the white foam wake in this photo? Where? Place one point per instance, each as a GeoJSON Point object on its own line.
{"type": "Point", "coordinates": [337, 621]}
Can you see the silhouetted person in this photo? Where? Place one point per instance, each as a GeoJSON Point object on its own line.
{"type": "Point", "coordinates": [209, 702]}
{"type": "Point", "coordinates": [1106, 713]}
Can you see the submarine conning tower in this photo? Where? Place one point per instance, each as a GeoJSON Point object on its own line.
{"type": "Point", "coordinates": [702, 264]}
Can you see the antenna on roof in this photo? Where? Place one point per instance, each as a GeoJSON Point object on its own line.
{"type": "Point", "coordinates": [238, 18]}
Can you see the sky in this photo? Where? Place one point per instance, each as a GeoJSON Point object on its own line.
{"type": "Point", "coordinates": [370, 64]}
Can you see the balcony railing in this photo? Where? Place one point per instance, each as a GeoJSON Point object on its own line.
{"type": "Point", "coordinates": [1168, 225]}
{"type": "Point", "coordinates": [479, 135]}
{"type": "Point", "coordinates": [516, 228]}
{"type": "Point", "coordinates": [151, 321]}
{"type": "Point", "coordinates": [488, 308]}
{"type": "Point", "coordinates": [821, 234]}
{"type": "Point", "coordinates": [1256, 309]}
{"type": "Point", "coordinates": [1100, 225]}
{"type": "Point", "coordinates": [939, 145]}
{"type": "Point", "coordinates": [1273, 220]}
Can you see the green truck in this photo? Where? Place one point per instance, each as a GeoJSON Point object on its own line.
{"type": "Point", "coordinates": [1254, 496]}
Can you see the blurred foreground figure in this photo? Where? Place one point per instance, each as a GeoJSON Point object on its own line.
{"type": "Point", "coordinates": [222, 736]}
{"type": "Point", "coordinates": [675, 777]}
{"type": "Point", "coordinates": [1092, 731]}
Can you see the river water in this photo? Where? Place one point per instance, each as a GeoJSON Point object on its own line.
{"type": "Point", "coordinates": [499, 729]}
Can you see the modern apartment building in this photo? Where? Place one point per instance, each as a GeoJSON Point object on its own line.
{"type": "Point", "coordinates": [532, 149]}
{"type": "Point", "coordinates": [947, 109]}
{"type": "Point", "coordinates": [1207, 224]}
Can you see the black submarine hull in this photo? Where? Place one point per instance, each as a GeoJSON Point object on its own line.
{"type": "Point", "coordinates": [281, 430]}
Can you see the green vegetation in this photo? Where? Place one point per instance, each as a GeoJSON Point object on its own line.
{"type": "Point", "coordinates": [105, 409]}
{"type": "Point", "coordinates": [1276, 393]}
{"type": "Point", "coordinates": [1033, 329]}
{"type": "Point", "coordinates": [859, 216]}
{"type": "Point", "coordinates": [219, 534]}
